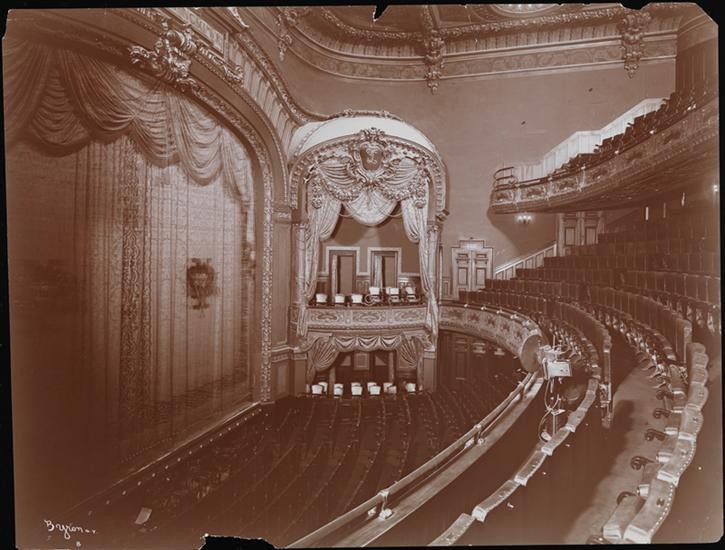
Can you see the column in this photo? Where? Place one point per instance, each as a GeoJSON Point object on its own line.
{"type": "Point", "coordinates": [433, 268]}
{"type": "Point", "coordinates": [391, 366]}
{"type": "Point", "coordinates": [331, 380]}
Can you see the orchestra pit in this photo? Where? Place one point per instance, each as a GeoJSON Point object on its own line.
{"type": "Point", "coordinates": [444, 275]}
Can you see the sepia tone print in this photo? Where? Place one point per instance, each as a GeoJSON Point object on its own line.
{"type": "Point", "coordinates": [331, 277]}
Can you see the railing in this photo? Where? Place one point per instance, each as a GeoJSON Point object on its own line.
{"type": "Point", "coordinates": [526, 471]}
{"type": "Point", "coordinates": [582, 142]}
{"type": "Point", "coordinates": [130, 485]}
{"type": "Point", "coordinates": [640, 514]}
{"type": "Point", "coordinates": [380, 503]}
{"type": "Point", "coordinates": [680, 136]}
{"type": "Point", "coordinates": [326, 318]}
{"type": "Point", "coordinates": [530, 260]}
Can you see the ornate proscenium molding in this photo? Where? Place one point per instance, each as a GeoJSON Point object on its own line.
{"type": "Point", "coordinates": [171, 58]}
{"type": "Point", "coordinates": [172, 55]}
{"type": "Point", "coordinates": [633, 27]}
{"type": "Point", "coordinates": [287, 19]}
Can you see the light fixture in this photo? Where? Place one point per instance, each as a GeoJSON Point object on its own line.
{"type": "Point", "coordinates": [715, 188]}
{"type": "Point", "coordinates": [524, 219]}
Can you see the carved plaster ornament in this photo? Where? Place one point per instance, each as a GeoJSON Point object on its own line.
{"type": "Point", "coordinates": [287, 19]}
{"type": "Point", "coordinates": [434, 45]}
{"type": "Point", "coordinates": [633, 27]}
{"type": "Point", "coordinates": [171, 57]}
{"type": "Point", "coordinates": [370, 163]}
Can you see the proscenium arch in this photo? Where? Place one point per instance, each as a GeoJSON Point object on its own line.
{"type": "Point", "coordinates": [106, 35]}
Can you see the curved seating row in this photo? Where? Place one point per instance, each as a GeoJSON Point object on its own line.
{"type": "Point", "coordinates": [641, 512]}
{"type": "Point", "coordinates": [543, 450]}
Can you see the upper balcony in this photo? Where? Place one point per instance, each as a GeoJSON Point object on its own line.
{"type": "Point", "coordinates": [659, 151]}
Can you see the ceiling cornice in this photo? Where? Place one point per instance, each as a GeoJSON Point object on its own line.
{"type": "Point", "coordinates": [432, 59]}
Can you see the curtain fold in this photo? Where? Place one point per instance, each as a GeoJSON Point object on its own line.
{"type": "Point", "coordinates": [369, 186]}
{"type": "Point", "coordinates": [323, 351]}
{"type": "Point", "coordinates": [320, 357]}
{"type": "Point", "coordinates": [62, 100]}
{"type": "Point", "coordinates": [127, 181]}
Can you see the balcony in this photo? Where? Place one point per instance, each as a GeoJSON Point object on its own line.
{"type": "Point", "coordinates": [366, 319]}
{"type": "Point", "coordinates": [511, 330]}
{"type": "Point", "coordinates": [661, 151]}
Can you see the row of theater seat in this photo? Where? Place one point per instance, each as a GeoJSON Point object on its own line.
{"type": "Point", "coordinates": [697, 219]}
{"type": "Point", "coordinates": [356, 389]}
{"type": "Point", "coordinates": [705, 263]}
{"type": "Point", "coordinates": [300, 446]}
{"type": "Point", "coordinates": [674, 108]}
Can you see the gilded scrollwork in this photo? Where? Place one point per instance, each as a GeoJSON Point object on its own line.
{"type": "Point", "coordinates": [371, 162]}
{"type": "Point", "coordinates": [170, 59]}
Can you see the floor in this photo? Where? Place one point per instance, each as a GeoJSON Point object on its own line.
{"type": "Point", "coordinates": [634, 402]}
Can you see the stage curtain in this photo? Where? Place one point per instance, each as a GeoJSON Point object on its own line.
{"type": "Point", "coordinates": [62, 100]}
{"type": "Point", "coordinates": [115, 182]}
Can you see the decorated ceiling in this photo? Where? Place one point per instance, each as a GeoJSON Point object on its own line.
{"type": "Point", "coordinates": [432, 43]}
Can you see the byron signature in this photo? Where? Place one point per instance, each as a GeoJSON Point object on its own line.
{"type": "Point", "coordinates": [67, 528]}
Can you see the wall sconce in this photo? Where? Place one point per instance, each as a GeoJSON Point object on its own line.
{"type": "Point", "coordinates": [524, 219]}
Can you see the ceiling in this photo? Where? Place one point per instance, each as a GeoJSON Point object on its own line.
{"type": "Point", "coordinates": [434, 42]}
{"type": "Point", "coordinates": [408, 18]}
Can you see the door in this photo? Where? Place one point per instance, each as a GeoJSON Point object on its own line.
{"type": "Point", "coordinates": [471, 265]}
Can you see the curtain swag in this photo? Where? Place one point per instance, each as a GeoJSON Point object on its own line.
{"type": "Point", "coordinates": [61, 100]}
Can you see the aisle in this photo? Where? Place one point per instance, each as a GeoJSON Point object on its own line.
{"type": "Point", "coordinates": [634, 401]}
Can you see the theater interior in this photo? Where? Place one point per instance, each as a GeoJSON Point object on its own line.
{"type": "Point", "coordinates": [335, 276]}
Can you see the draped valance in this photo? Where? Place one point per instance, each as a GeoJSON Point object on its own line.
{"type": "Point", "coordinates": [369, 174]}
{"type": "Point", "coordinates": [60, 100]}
{"type": "Point", "coordinates": [322, 351]}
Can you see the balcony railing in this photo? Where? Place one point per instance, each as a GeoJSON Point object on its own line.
{"type": "Point", "coordinates": [678, 139]}
{"type": "Point", "coordinates": [363, 318]}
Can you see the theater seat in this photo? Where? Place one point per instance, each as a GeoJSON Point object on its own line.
{"type": "Point", "coordinates": [316, 389]}
{"type": "Point", "coordinates": [356, 391]}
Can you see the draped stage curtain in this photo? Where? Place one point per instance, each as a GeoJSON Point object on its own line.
{"type": "Point", "coordinates": [115, 182]}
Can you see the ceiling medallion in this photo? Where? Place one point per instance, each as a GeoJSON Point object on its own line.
{"type": "Point", "coordinates": [633, 27]}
